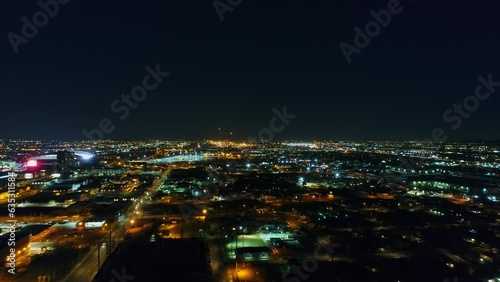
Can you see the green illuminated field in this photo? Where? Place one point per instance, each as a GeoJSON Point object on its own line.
{"type": "Point", "coordinates": [246, 241]}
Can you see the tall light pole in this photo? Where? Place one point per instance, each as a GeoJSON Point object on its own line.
{"type": "Point", "coordinates": [243, 234]}
{"type": "Point", "coordinates": [235, 249]}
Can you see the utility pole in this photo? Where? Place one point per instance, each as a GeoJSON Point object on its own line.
{"type": "Point", "coordinates": [110, 242]}
{"type": "Point", "coordinates": [235, 254]}
{"type": "Point", "coordinates": [98, 256]}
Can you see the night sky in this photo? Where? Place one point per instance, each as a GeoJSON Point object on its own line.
{"type": "Point", "coordinates": [231, 74]}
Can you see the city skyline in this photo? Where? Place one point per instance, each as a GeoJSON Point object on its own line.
{"type": "Point", "coordinates": [225, 211]}
{"type": "Point", "coordinates": [249, 141]}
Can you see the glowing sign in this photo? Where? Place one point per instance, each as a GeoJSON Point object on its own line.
{"type": "Point", "coordinates": [32, 163]}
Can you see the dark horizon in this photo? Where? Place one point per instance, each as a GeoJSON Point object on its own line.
{"type": "Point", "coordinates": [231, 74]}
{"type": "Point", "coordinates": [491, 142]}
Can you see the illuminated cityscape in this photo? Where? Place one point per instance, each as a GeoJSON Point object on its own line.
{"type": "Point", "coordinates": [253, 211]}
{"type": "Point", "coordinates": [250, 141]}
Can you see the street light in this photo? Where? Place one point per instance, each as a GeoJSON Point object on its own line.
{"type": "Point", "coordinates": [243, 233]}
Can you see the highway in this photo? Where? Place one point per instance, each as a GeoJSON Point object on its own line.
{"type": "Point", "coordinates": [88, 267]}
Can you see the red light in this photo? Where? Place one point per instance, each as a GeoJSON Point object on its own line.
{"type": "Point", "coordinates": [32, 163]}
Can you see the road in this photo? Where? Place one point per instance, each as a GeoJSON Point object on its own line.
{"type": "Point", "coordinates": [88, 267]}
{"type": "Point", "coordinates": [221, 266]}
